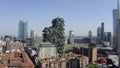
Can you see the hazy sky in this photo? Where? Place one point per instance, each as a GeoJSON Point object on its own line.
{"type": "Point", "coordinates": [79, 15]}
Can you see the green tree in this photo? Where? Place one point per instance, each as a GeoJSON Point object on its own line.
{"type": "Point", "coordinates": [55, 34]}
{"type": "Point", "coordinates": [46, 34]}
{"type": "Point", "coordinates": [91, 66]}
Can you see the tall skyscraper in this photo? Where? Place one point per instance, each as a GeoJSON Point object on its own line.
{"type": "Point", "coordinates": [116, 26]}
{"type": "Point", "coordinates": [99, 34]}
{"type": "Point", "coordinates": [102, 31]}
{"type": "Point", "coordinates": [116, 30]}
{"type": "Point", "coordinates": [115, 17]}
{"type": "Point", "coordinates": [23, 30]}
{"type": "Point", "coordinates": [32, 37]}
{"type": "Point", "coordinates": [71, 37]}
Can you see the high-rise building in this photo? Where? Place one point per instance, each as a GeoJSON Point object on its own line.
{"type": "Point", "coordinates": [32, 37]}
{"type": "Point", "coordinates": [90, 33]}
{"type": "Point", "coordinates": [108, 37]}
{"type": "Point", "coordinates": [32, 33]}
{"type": "Point", "coordinates": [116, 31]}
{"type": "Point", "coordinates": [23, 30]}
{"type": "Point", "coordinates": [99, 34]}
{"type": "Point", "coordinates": [71, 37]}
{"type": "Point", "coordinates": [102, 31]}
{"type": "Point", "coordinates": [116, 28]}
{"type": "Point", "coordinates": [115, 17]}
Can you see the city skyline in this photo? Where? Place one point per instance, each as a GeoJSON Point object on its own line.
{"type": "Point", "coordinates": [80, 16]}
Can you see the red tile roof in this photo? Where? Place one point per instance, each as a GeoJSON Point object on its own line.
{"type": "Point", "coordinates": [20, 59]}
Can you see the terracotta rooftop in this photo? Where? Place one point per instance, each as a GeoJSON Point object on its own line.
{"type": "Point", "coordinates": [2, 66]}
{"type": "Point", "coordinates": [19, 59]}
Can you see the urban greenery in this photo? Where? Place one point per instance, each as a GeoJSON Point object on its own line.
{"type": "Point", "coordinates": [55, 34]}
{"type": "Point", "coordinates": [91, 66]}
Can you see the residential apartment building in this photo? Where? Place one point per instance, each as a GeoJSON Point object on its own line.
{"type": "Point", "coordinates": [71, 61]}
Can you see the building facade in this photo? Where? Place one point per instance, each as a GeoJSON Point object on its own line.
{"type": "Point", "coordinates": [32, 34]}
{"type": "Point", "coordinates": [90, 33]}
{"type": "Point", "coordinates": [115, 17]}
{"type": "Point", "coordinates": [98, 34]}
{"type": "Point", "coordinates": [116, 28]}
{"type": "Point", "coordinates": [71, 37]}
{"type": "Point", "coordinates": [71, 61]}
{"type": "Point", "coordinates": [46, 50]}
{"type": "Point", "coordinates": [37, 40]}
{"type": "Point", "coordinates": [108, 37]}
{"type": "Point", "coordinates": [23, 30]}
{"type": "Point", "coordinates": [89, 52]}
{"type": "Point", "coordinates": [102, 31]}
{"type": "Point", "coordinates": [32, 38]}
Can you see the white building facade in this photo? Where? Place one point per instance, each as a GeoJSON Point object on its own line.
{"type": "Point", "coordinates": [46, 50]}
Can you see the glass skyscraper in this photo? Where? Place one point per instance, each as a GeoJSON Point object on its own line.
{"type": "Point", "coordinates": [23, 29]}
{"type": "Point", "coordinates": [115, 18]}
{"type": "Point", "coordinates": [99, 34]}
{"type": "Point", "coordinates": [116, 28]}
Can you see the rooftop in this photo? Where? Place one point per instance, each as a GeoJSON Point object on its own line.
{"type": "Point", "coordinates": [19, 59]}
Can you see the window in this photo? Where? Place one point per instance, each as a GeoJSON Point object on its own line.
{"type": "Point", "coordinates": [46, 65]}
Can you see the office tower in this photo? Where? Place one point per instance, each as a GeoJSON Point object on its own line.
{"type": "Point", "coordinates": [99, 35]}
{"type": "Point", "coordinates": [102, 31]}
{"type": "Point", "coordinates": [115, 18]}
{"type": "Point", "coordinates": [90, 33]}
{"type": "Point", "coordinates": [116, 27]}
{"type": "Point", "coordinates": [71, 37]}
{"type": "Point", "coordinates": [32, 33]}
{"type": "Point", "coordinates": [117, 48]}
{"type": "Point", "coordinates": [118, 31]}
{"type": "Point", "coordinates": [99, 32]}
{"type": "Point", "coordinates": [32, 37]}
{"type": "Point", "coordinates": [23, 30]}
{"type": "Point", "coordinates": [108, 37]}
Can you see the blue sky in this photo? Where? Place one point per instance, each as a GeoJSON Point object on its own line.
{"type": "Point", "coordinates": [79, 15]}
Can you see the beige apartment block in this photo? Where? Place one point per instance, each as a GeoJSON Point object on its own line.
{"type": "Point", "coordinates": [71, 61]}
{"type": "Point", "coordinates": [46, 50]}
